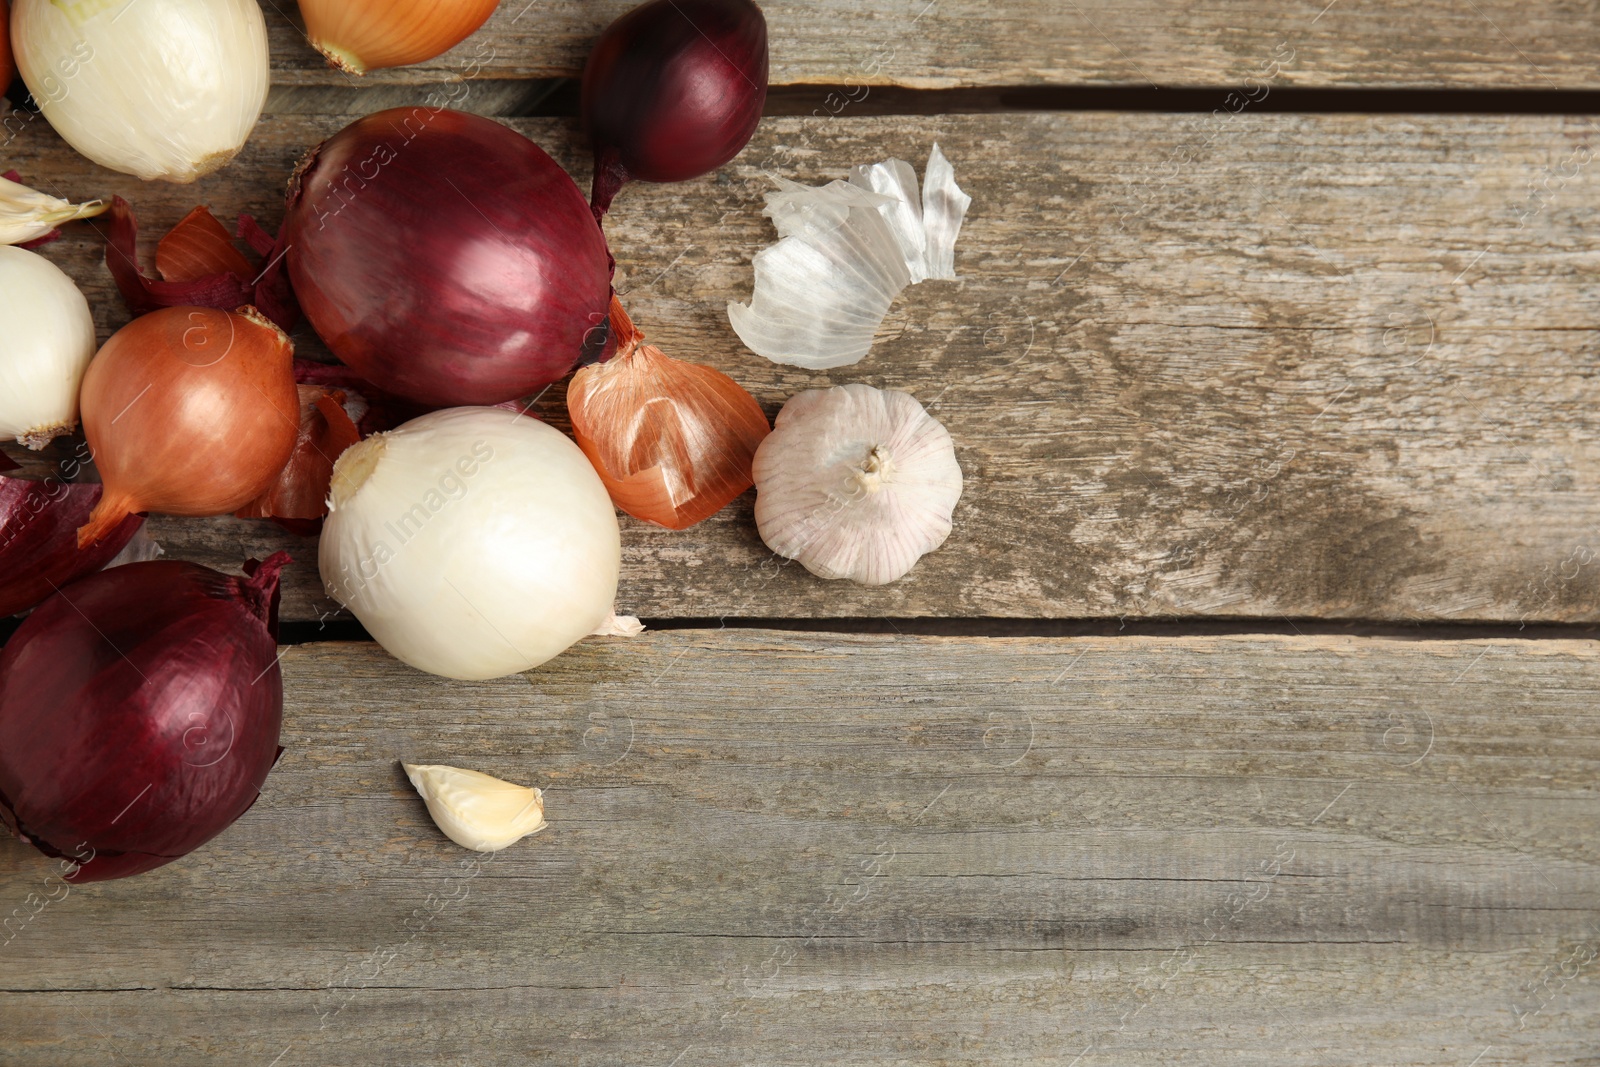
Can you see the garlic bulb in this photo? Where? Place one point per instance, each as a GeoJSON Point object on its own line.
{"type": "Point", "coordinates": [155, 88]}
{"type": "Point", "coordinates": [471, 543]}
{"type": "Point", "coordinates": [856, 482]}
{"type": "Point", "coordinates": [27, 214]}
{"type": "Point", "coordinates": [361, 35]}
{"type": "Point", "coordinates": [48, 342]}
{"type": "Point", "coordinates": [475, 810]}
{"type": "Point", "coordinates": [845, 251]}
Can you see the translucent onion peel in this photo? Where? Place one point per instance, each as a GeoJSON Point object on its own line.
{"type": "Point", "coordinates": [299, 496]}
{"type": "Point", "coordinates": [39, 550]}
{"type": "Point", "coordinates": [361, 35]}
{"type": "Point", "coordinates": [845, 251]}
{"type": "Point", "coordinates": [139, 713]}
{"type": "Point", "coordinates": [197, 246]}
{"type": "Point", "coordinates": [672, 441]}
{"type": "Point", "coordinates": [189, 411]}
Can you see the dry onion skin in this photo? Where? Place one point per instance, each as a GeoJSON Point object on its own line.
{"type": "Point", "coordinates": [845, 251]}
{"type": "Point", "coordinates": [672, 441]}
{"type": "Point", "coordinates": [165, 89]}
{"type": "Point", "coordinates": [47, 344]}
{"type": "Point", "coordinates": [356, 36]}
{"type": "Point", "coordinates": [856, 482]}
{"type": "Point", "coordinates": [472, 543]}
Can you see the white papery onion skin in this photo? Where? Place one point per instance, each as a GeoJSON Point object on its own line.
{"type": "Point", "coordinates": [165, 89]}
{"type": "Point", "coordinates": [46, 343]}
{"type": "Point", "coordinates": [472, 543]}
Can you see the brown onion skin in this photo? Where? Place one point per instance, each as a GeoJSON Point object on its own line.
{"type": "Point", "coordinates": [188, 411]}
{"type": "Point", "coordinates": [361, 35]}
{"type": "Point", "coordinates": [140, 710]}
{"type": "Point", "coordinates": [39, 550]}
{"type": "Point", "coordinates": [445, 258]}
{"type": "Point", "coordinates": [673, 90]}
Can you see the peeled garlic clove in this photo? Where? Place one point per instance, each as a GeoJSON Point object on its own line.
{"type": "Point", "coordinates": [856, 482]}
{"type": "Point", "coordinates": [845, 251]}
{"type": "Point", "coordinates": [361, 35]}
{"type": "Point", "coordinates": [46, 343]}
{"type": "Point", "coordinates": [27, 214]}
{"type": "Point", "coordinates": [476, 810]}
{"type": "Point", "coordinates": [155, 88]}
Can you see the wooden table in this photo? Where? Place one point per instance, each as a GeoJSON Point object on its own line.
{"type": "Point", "coordinates": [1249, 716]}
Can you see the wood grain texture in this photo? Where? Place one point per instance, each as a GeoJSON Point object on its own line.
{"type": "Point", "coordinates": [949, 43]}
{"type": "Point", "coordinates": [1320, 366]}
{"type": "Point", "coordinates": [803, 848]}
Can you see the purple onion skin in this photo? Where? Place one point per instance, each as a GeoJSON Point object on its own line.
{"type": "Point", "coordinates": [39, 539]}
{"type": "Point", "coordinates": [139, 714]}
{"type": "Point", "coordinates": [673, 90]}
{"type": "Point", "coordinates": [446, 258]}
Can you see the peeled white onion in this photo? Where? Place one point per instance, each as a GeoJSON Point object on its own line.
{"type": "Point", "coordinates": [155, 88]}
{"type": "Point", "coordinates": [471, 543]}
{"type": "Point", "coordinates": [46, 343]}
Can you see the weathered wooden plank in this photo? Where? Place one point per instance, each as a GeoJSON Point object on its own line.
{"type": "Point", "coordinates": [948, 43]}
{"type": "Point", "coordinates": [810, 848]}
{"type": "Point", "coordinates": [1333, 366]}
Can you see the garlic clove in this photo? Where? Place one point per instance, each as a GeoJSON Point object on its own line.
{"type": "Point", "coordinates": [845, 250]}
{"type": "Point", "coordinates": [944, 206]}
{"type": "Point", "coordinates": [27, 214]}
{"type": "Point", "coordinates": [856, 482]}
{"type": "Point", "coordinates": [476, 810]}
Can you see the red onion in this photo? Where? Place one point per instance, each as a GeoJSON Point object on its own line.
{"type": "Point", "coordinates": [673, 90]}
{"type": "Point", "coordinates": [446, 258]}
{"type": "Point", "coordinates": [139, 713]}
{"type": "Point", "coordinates": [39, 550]}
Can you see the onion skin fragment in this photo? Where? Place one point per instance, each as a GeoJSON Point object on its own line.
{"type": "Point", "coordinates": [446, 258]}
{"type": "Point", "coordinates": [39, 550]}
{"type": "Point", "coordinates": [188, 411]}
{"type": "Point", "coordinates": [673, 441]}
{"type": "Point", "coordinates": [197, 246]}
{"type": "Point", "coordinates": [673, 90]}
{"type": "Point", "coordinates": [140, 710]}
{"type": "Point", "coordinates": [356, 36]}
{"type": "Point", "coordinates": [300, 493]}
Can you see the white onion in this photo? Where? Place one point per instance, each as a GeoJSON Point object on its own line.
{"type": "Point", "coordinates": [46, 343]}
{"type": "Point", "coordinates": [155, 88]}
{"type": "Point", "coordinates": [471, 543]}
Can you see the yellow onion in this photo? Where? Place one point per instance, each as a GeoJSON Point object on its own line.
{"type": "Point", "coordinates": [361, 35]}
{"type": "Point", "coordinates": [189, 411]}
{"type": "Point", "coordinates": [672, 441]}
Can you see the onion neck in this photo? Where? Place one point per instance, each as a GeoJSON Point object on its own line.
{"type": "Point", "coordinates": [609, 178]}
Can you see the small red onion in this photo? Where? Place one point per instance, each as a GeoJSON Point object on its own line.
{"type": "Point", "coordinates": [139, 713]}
{"type": "Point", "coordinates": [673, 90]}
{"type": "Point", "coordinates": [446, 258]}
{"type": "Point", "coordinates": [39, 550]}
